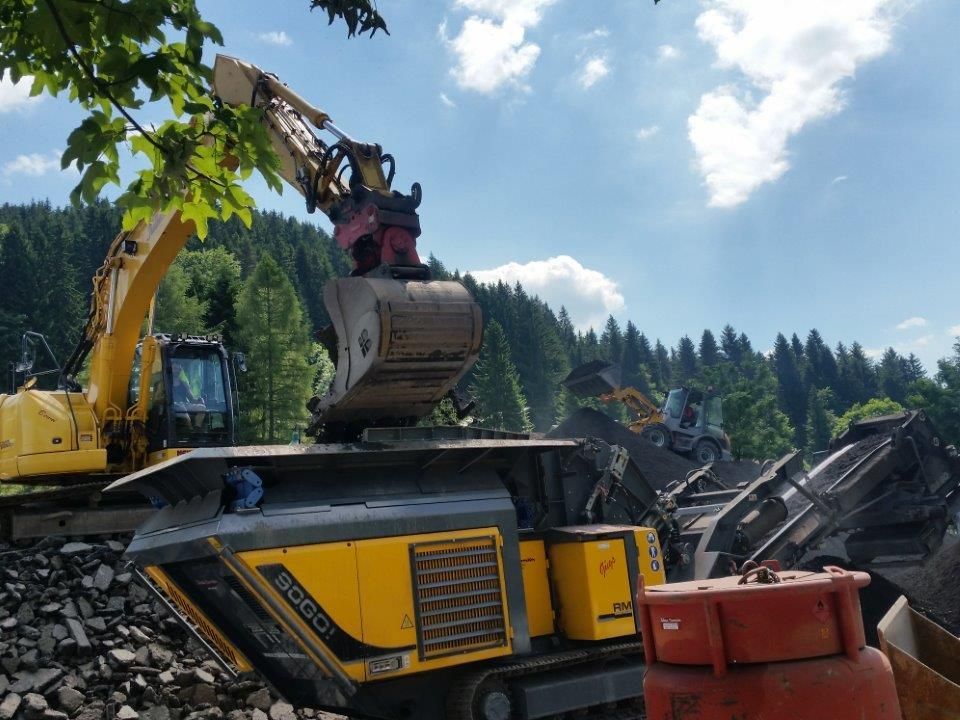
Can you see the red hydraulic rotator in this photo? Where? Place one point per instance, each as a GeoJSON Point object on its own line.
{"type": "Point", "coordinates": [765, 645]}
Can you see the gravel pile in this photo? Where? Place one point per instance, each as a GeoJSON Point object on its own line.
{"type": "Point", "coordinates": [79, 639]}
{"type": "Point", "coordinates": [934, 589]}
{"type": "Point", "coordinates": [659, 466]}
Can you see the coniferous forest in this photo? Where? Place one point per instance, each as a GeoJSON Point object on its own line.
{"type": "Point", "coordinates": [261, 290]}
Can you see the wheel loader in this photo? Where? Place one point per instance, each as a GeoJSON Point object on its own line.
{"type": "Point", "coordinates": [689, 422]}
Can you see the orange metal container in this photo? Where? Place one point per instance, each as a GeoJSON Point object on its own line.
{"type": "Point", "coordinates": [792, 647]}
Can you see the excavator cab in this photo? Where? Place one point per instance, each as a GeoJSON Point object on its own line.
{"type": "Point", "coordinates": [185, 385]}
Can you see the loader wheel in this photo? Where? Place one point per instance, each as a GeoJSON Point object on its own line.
{"type": "Point", "coordinates": [706, 451]}
{"type": "Point", "coordinates": [658, 435]}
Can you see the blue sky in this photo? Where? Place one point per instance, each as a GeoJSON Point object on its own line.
{"type": "Point", "coordinates": [775, 164]}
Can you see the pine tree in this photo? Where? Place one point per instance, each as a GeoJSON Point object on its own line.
{"type": "Point", "coordinates": [746, 349]}
{"type": "Point", "coordinates": [18, 272]}
{"type": "Point", "coordinates": [820, 420]}
{"type": "Point", "coordinates": [709, 351]}
{"type": "Point", "coordinates": [647, 358]}
{"type": "Point", "coordinates": [686, 360]}
{"type": "Point", "coordinates": [860, 380]}
{"type": "Point", "coordinates": [213, 277]}
{"type": "Point", "coordinates": [568, 335]}
{"type": "Point", "coordinates": [813, 352]}
{"type": "Point", "coordinates": [273, 334]}
{"type": "Point", "coordinates": [756, 426]}
{"type": "Point", "coordinates": [797, 348]}
{"type": "Point", "coordinates": [500, 401]}
{"type": "Point", "coordinates": [177, 310]}
{"type": "Point", "coordinates": [540, 360]}
{"type": "Point", "coordinates": [730, 345]}
{"type": "Point", "coordinates": [612, 341]}
{"type": "Point", "coordinates": [662, 377]}
{"type": "Point", "coordinates": [630, 363]}
{"type": "Point", "coordinates": [590, 346]}
{"type": "Point", "coordinates": [914, 369]}
{"type": "Point", "coordinates": [891, 376]}
{"type": "Point", "coordinates": [791, 393]}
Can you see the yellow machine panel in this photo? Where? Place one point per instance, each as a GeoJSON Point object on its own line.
{"type": "Point", "coordinates": [594, 570]}
{"type": "Point", "coordinates": [319, 582]}
{"type": "Point", "coordinates": [649, 557]}
{"type": "Point", "coordinates": [394, 606]}
{"type": "Point", "coordinates": [536, 587]}
{"type": "Point", "coordinates": [199, 620]}
{"type": "Point", "coordinates": [44, 432]}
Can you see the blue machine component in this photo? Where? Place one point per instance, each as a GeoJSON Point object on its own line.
{"type": "Point", "coordinates": [247, 485]}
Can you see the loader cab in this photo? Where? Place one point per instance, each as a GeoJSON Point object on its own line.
{"type": "Point", "coordinates": [694, 419]}
{"type": "Point", "coordinates": [187, 386]}
{"type": "Point", "coordinates": [693, 409]}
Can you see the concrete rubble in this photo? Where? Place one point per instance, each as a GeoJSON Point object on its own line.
{"type": "Point", "coordinates": [81, 640]}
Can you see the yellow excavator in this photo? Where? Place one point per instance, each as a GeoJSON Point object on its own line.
{"type": "Point", "coordinates": [147, 399]}
{"type": "Point", "coordinates": [400, 340]}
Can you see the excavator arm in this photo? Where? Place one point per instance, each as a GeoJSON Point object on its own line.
{"type": "Point", "coordinates": [123, 289]}
{"type": "Point", "coordinates": [400, 340]}
{"type": "Point", "coordinates": [373, 222]}
{"type": "Point", "coordinates": [639, 403]}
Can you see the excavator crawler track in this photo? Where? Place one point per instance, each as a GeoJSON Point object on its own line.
{"type": "Point", "coordinates": [461, 700]}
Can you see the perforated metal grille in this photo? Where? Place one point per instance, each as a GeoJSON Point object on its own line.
{"type": "Point", "coordinates": [457, 586]}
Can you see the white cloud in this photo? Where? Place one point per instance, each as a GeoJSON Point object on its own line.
{"type": "Point", "coordinates": [600, 32]}
{"type": "Point", "coordinates": [594, 69]}
{"type": "Point", "coordinates": [589, 295]}
{"type": "Point", "coordinates": [645, 133]}
{"type": "Point", "coordinates": [916, 346]}
{"type": "Point", "coordinates": [32, 165]}
{"type": "Point", "coordinates": [276, 38]}
{"type": "Point", "coordinates": [490, 48]}
{"type": "Point", "coordinates": [794, 55]}
{"type": "Point", "coordinates": [15, 96]}
{"type": "Point", "coordinates": [447, 101]}
{"type": "Point", "coordinates": [667, 52]}
{"type": "Point", "coordinates": [912, 322]}
{"type": "Point", "coordinates": [838, 179]}
{"type": "Point", "coordinates": [955, 330]}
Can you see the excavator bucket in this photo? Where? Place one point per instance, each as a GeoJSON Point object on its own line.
{"type": "Point", "coordinates": [926, 664]}
{"type": "Point", "coordinates": [401, 346]}
{"type": "Point", "coordinates": [594, 378]}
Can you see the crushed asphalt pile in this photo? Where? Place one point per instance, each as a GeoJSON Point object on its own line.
{"type": "Point", "coordinates": [661, 467]}
{"type": "Point", "coordinates": [934, 589]}
{"type": "Point", "coordinates": [80, 639]}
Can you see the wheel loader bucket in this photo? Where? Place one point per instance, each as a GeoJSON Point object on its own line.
{"type": "Point", "coordinates": [401, 345]}
{"type": "Point", "coordinates": [592, 379]}
{"type": "Point", "coordinates": [926, 664]}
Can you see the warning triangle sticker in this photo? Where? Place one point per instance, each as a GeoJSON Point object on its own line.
{"type": "Point", "coordinates": [407, 623]}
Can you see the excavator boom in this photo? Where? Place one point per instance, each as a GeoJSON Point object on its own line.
{"type": "Point", "coordinates": [400, 340]}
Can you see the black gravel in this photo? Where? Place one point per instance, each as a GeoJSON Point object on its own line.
{"type": "Point", "coordinates": [659, 466]}
{"type": "Point", "coordinates": [80, 639]}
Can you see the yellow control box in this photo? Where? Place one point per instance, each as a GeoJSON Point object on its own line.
{"type": "Point", "coordinates": [536, 587]}
{"type": "Point", "coordinates": [594, 571]}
